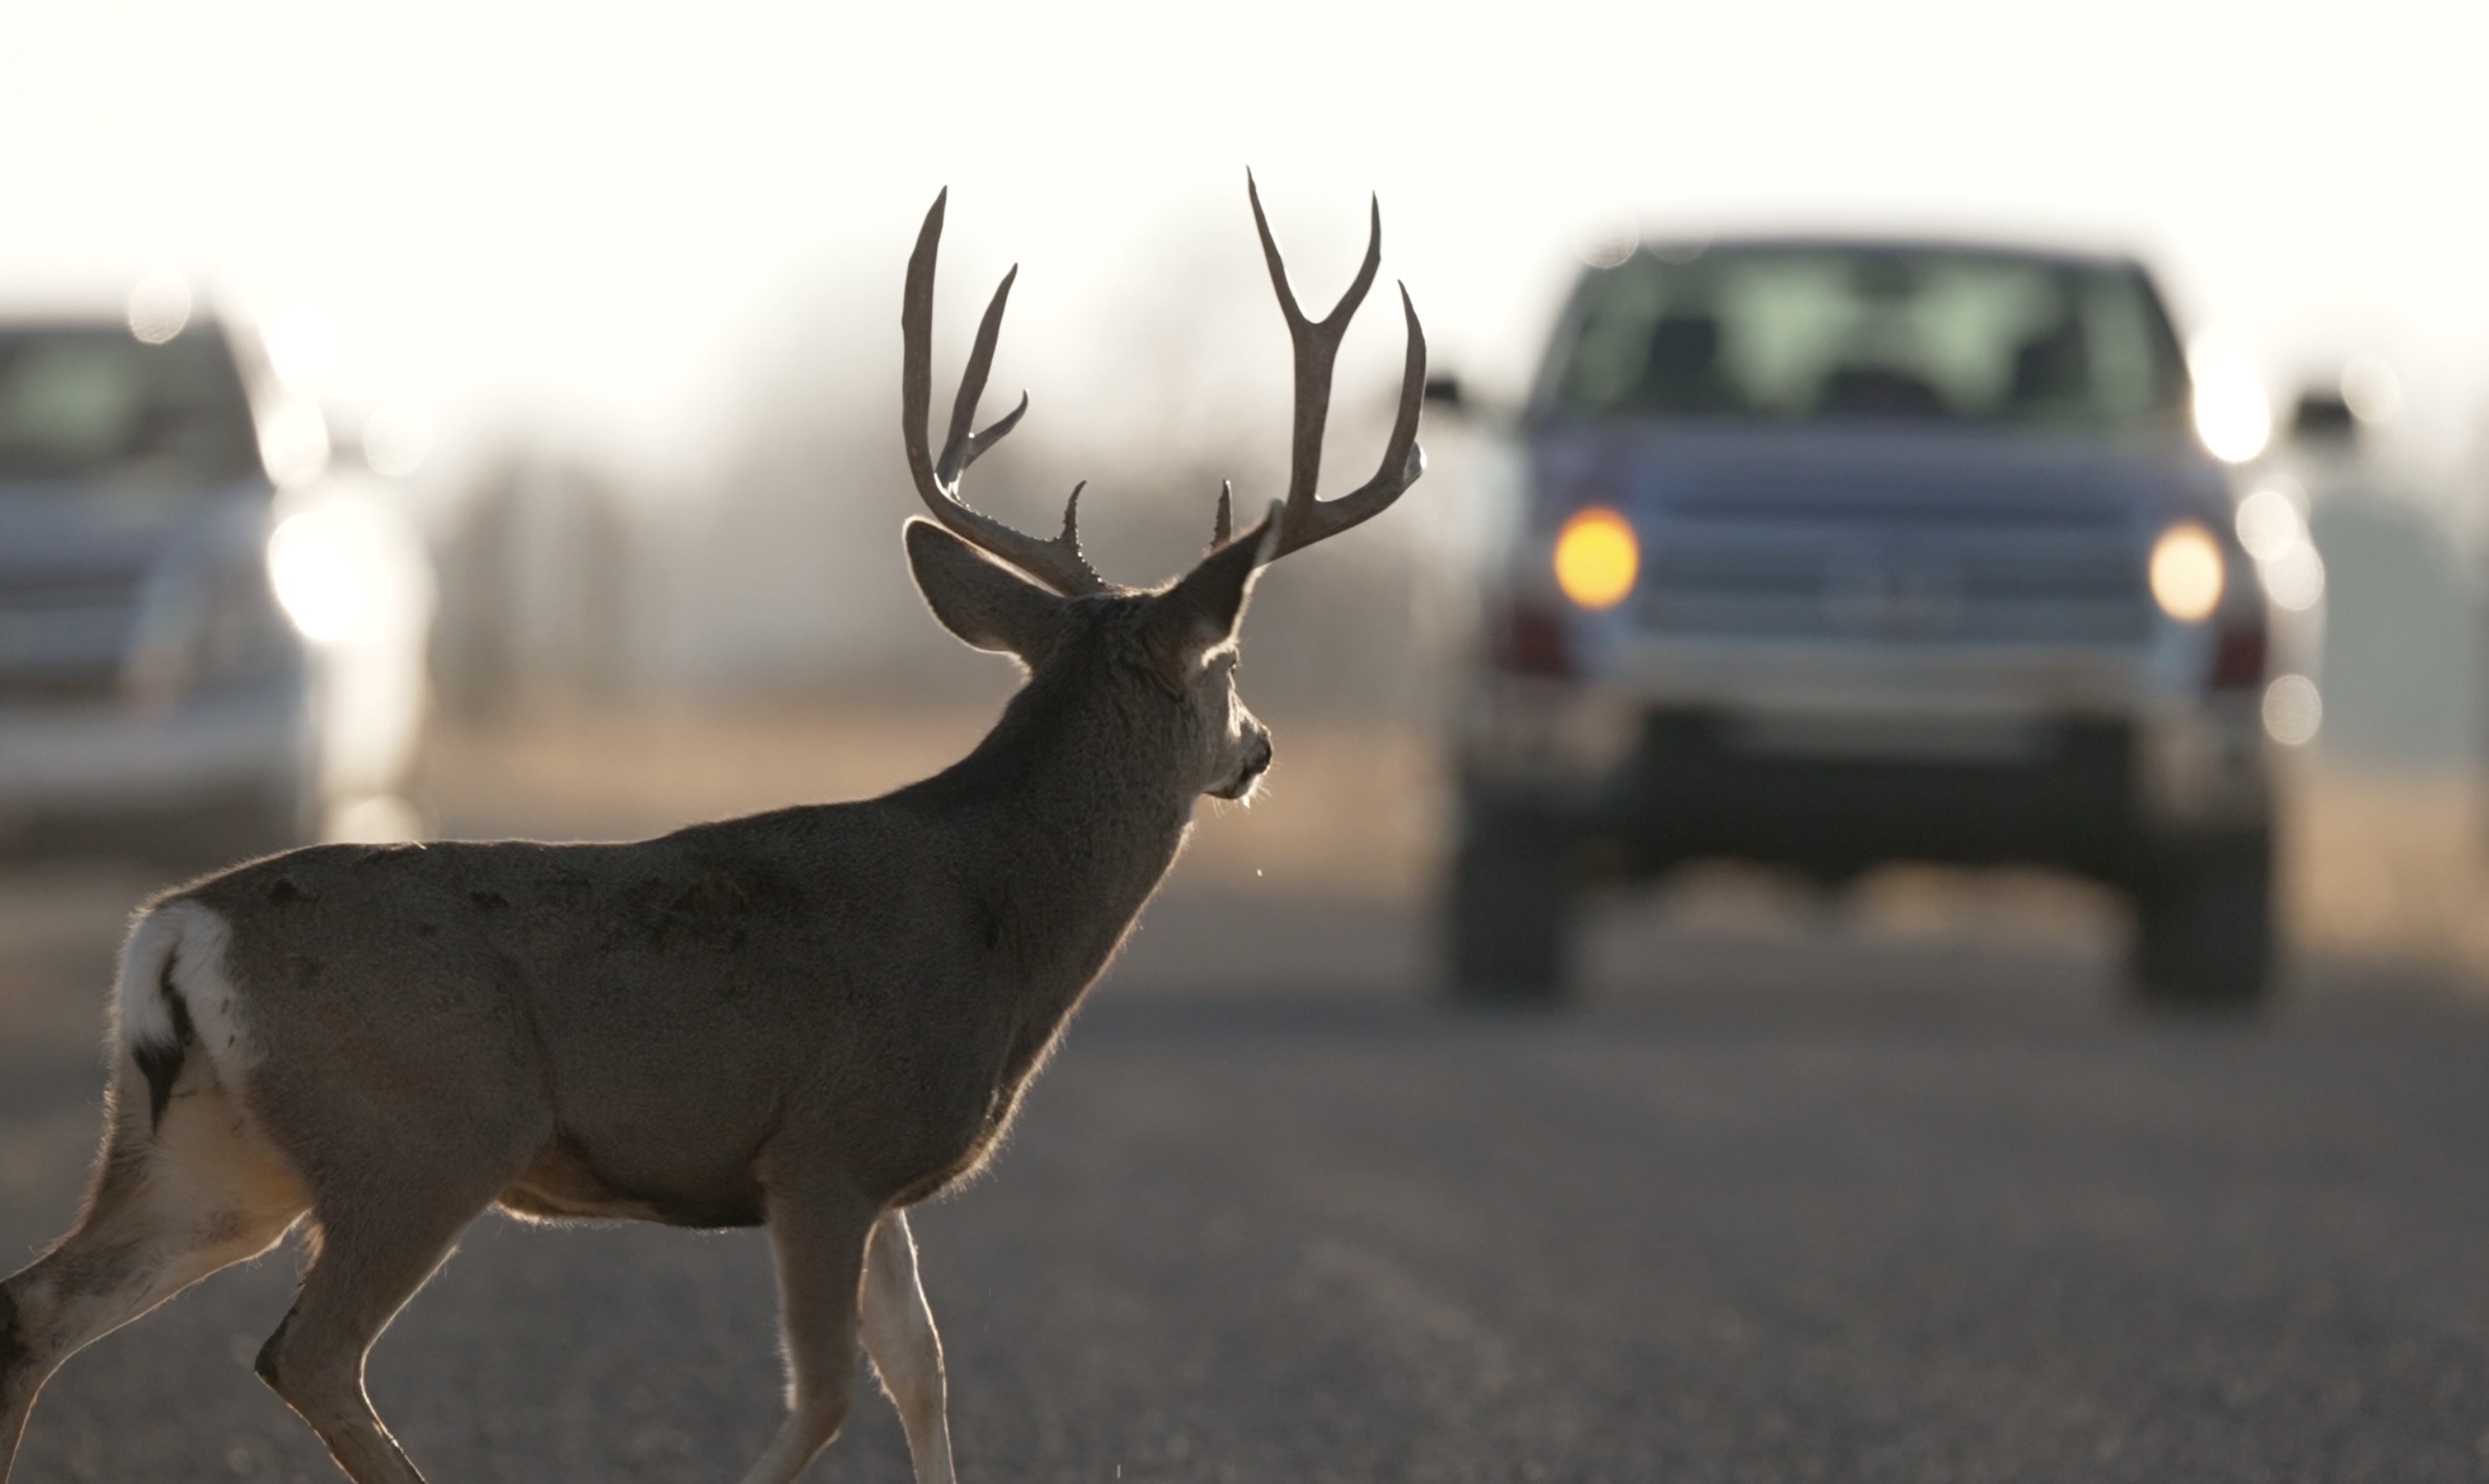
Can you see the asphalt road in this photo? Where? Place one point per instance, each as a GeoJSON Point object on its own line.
{"type": "Point", "coordinates": [1777, 1203]}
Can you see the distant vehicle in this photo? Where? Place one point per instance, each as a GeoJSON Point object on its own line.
{"type": "Point", "coordinates": [1839, 552]}
{"type": "Point", "coordinates": [209, 643]}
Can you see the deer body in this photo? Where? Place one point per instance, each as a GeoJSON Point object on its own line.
{"type": "Point", "coordinates": [874, 981]}
{"type": "Point", "coordinates": [810, 1020]}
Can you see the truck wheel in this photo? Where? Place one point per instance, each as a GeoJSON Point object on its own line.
{"type": "Point", "coordinates": [1507, 923]}
{"type": "Point", "coordinates": [2204, 926]}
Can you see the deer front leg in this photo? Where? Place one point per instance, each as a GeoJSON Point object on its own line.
{"type": "Point", "coordinates": [818, 1233]}
{"type": "Point", "coordinates": [907, 1349]}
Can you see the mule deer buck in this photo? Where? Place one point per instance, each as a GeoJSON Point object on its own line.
{"type": "Point", "coordinates": [808, 1019]}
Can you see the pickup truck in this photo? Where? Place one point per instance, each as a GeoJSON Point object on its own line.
{"type": "Point", "coordinates": [1835, 551]}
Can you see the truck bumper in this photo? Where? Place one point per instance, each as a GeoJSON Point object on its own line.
{"type": "Point", "coordinates": [1839, 777]}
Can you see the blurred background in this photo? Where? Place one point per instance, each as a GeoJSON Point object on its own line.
{"type": "Point", "coordinates": [569, 338]}
{"type": "Point", "coordinates": [611, 297]}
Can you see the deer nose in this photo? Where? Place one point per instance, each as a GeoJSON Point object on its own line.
{"type": "Point", "coordinates": [1257, 762]}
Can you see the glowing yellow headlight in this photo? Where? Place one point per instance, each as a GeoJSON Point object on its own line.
{"type": "Point", "coordinates": [2187, 572]}
{"type": "Point", "coordinates": [1597, 557]}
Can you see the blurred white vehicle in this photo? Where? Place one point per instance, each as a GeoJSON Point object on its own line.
{"type": "Point", "coordinates": [208, 640]}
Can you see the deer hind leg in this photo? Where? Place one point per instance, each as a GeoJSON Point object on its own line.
{"type": "Point", "coordinates": [171, 1203]}
{"type": "Point", "coordinates": [380, 1236]}
{"type": "Point", "coordinates": [818, 1236]}
{"type": "Point", "coordinates": [907, 1349]}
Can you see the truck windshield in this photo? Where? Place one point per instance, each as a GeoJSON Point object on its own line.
{"type": "Point", "coordinates": [84, 402]}
{"type": "Point", "coordinates": [1809, 330]}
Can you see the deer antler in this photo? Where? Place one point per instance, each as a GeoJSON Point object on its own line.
{"type": "Point", "coordinates": [1307, 520]}
{"type": "Point", "coordinates": [1058, 563]}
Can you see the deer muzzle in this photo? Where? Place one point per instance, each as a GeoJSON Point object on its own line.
{"type": "Point", "coordinates": [1257, 762]}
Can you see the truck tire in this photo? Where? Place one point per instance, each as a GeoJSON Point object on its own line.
{"type": "Point", "coordinates": [2204, 923]}
{"type": "Point", "coordinates": [1507, 920]}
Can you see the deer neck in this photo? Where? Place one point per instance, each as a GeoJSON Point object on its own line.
{"type": "Point", "coordinates": [1072, 810]}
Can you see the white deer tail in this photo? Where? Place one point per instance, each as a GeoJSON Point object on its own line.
{"type": "Point", "coordinates": [174, 995]}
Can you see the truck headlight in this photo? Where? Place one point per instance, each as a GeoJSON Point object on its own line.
{"type": "Point", "coordinates": [1598, 557]}
{"type": "Point", "coordinates": [2187, 572]}
{"type": "Point", "coordinates": [349, 571]}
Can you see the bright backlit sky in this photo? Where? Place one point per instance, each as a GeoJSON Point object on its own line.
{"type": "Point", "coordinates": [597, 215]}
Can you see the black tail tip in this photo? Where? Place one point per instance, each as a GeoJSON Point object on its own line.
{"type": "Point", "coordinates": [162, 1067]}
{"type": "Point", "coordinates": [11, 1346]}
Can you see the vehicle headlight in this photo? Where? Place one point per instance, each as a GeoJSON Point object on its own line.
{"type": "Point", "coordinates": [351, 572]}
{"type": "Point", "coordinates": [348, 571]}
{"type": "Point", "coordinates": [2187, 572]}
{"type": "Point", "coordinates": [2232, 415]}
{"type": "Point", "coordinates": [1598, 557]}
{"type": "Point", "coordinates": [312, 562]}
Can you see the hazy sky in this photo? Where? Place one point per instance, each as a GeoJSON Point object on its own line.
{"type": "Point", "coordinates": [601, 214]}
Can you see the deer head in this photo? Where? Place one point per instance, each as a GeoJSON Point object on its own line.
{"type": "Point", "coordinates": [1180, 635]}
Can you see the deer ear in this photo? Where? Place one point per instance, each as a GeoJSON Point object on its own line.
{"type": "Point", "coordinates": [1200, 612]}
{"type": "Point", "coordinates": [988, 605]}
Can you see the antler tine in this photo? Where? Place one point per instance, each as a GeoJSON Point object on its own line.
{"type": "Point", "coordinates": [961, 447]}
{"type": "Point", "coordinates": [1403, 460]}
{"type": "Point", "coordinates": [1058, 563]}
{"type": "Point", "coordinates": [1316, 344]}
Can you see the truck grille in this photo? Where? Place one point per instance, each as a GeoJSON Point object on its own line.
{"type": "Point", "coordinates": [1986, 584]}
{"type": "Point", "coordinates": [65, 637]}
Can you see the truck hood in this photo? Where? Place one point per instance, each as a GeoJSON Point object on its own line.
{"type": "Point", "coordinates": [1871, 474]}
